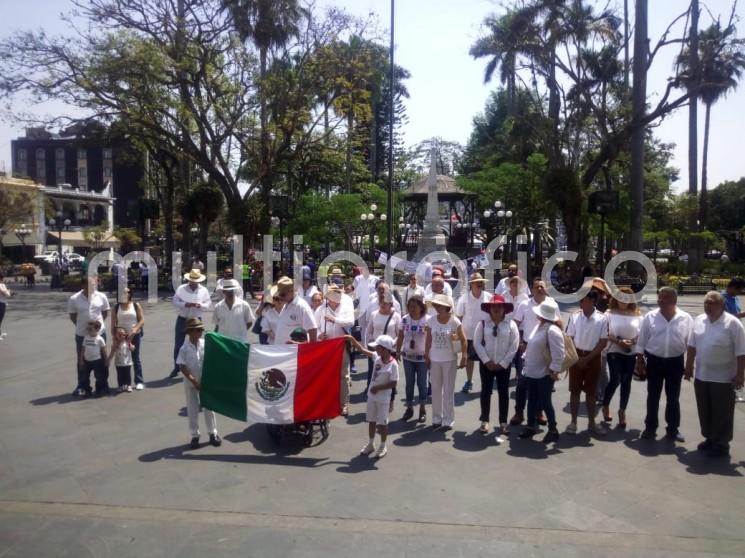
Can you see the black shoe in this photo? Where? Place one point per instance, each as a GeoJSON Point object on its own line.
{"type": "Point", "coordinates": [704, 446]}
{"type": "Point", "coordinates": [550, 437]}
{"type": "Point", "coordinates": [717, 452]}
{"type": "Point", "coordinates": [408, 413]}
{"type": "Point", "coordinates": [649, 435]}
{"type": "Point", "coordinates": [436, 426]}
{"type": "Point", "coordinates": [194, 443]}
{"type": "Point", "coordinates": [527, 433]}
{"type": "Point", "coordinates": [675, 437]}
{"type": "Point", "coordinates": [542, 420]}
{"type": "Point", "coordinates": [79, 392]}
{"type": "Point", "coordinates": [173, 373]}
{"type": "Point", "coordinates": [215, 440]}
{"type": "Point", "coordinates": [422, 415]}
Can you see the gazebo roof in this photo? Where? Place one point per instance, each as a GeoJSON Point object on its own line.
{"type": "Point", "coordinates": [447, 189]}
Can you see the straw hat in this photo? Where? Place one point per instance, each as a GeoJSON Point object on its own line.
{"type": "Point", "coordinates": [273, 290]}
{"type": "Point", "coordinates": [495, 300]}
{"type": "Point", "coordinates": [285, 281]}
{"type": "Point", "coordinates": [477, 278]}
{"type": "Point", "coordinates": [385, 341]}
{"type": "Point", "coordinates": [547, 310]}
{"type": "Point", "coordinates": [335, 271]}
{"type": "Point", "coordinates": [194, 323]}
{"type": "Point", "coordinates": [194, 276]}
{"type": "Point", "coordinates": [442, 300]}
{"type": "Point", "coordinates": [230, 285]}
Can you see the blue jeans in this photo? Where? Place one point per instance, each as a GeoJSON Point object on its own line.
{"type": "Point", "coordinates": [180, 335]}
{"type": "Point", "coordinates": [621, 367]}
{"type": "Point", "coordinates": [416, 374]}
{"type": "Point", "coordinates": [136, 362]}
{"type": "Point", "coordinates": [539, 399]}
{"type": "Point", "coordinates": [100, 373]}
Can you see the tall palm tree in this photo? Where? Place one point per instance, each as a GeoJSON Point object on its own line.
{"type": "Point", "coordinates": [722, 62]}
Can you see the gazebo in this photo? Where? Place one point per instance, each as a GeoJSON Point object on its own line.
{"type": "Point", "coordinates": [457, 214]}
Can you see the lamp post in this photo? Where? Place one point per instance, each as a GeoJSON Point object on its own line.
{"type": "Point", "coordinates": [371, 218]}
{"type": "Point", "coordinates": [22, 233]}
{"type": "Point", "coordinates": [59, 224]}
{"type": "Point", "coordinates": [405, 229]}
{"type": "Point", "coordinates": [498, 217]}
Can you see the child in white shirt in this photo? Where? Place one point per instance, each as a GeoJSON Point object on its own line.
{"type": "Point", "coordinates": [382, 383]}
{"type": "Point", "coordinates": [92, 358]}
{"type": "Point", "coordinates": [121, 352]}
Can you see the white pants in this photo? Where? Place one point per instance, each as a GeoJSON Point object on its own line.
{"type": "Point", "coordinates": [442, 378]}
{"type": "Point", "coordinates": [192, 411]}
{"type": "Point", "coordinates": [345, 379]}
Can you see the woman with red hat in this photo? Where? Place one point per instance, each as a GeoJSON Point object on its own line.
{"type": "Point", "coordinates": [495, 341]}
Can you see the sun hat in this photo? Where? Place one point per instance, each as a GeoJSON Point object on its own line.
{"type": "Point", "coordinates": [497, 299]}
{"type": "Point", "coordinates": [335, 271]}
{"type": "Point", "coordinates": [547, 310]}
{"type": "Point", "coordinates": [285, 281]}
{"type": "Point", "coordinates": [194, 276]}
{"type": "Point", "coordinates": [477, 278]}
{"type": "Point", "coordinates": [230, 285]}
{"type": "Point", "coordinates": [442, 300]}
{"type": "Point", "coordinates": [273, 291]}
{"type": "Point", "coordinates": [194, 323]}
{"type": "Point", "coordinates": [385, 341]}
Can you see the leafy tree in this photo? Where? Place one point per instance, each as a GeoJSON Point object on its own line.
{"type": "Point", "coordinates": [15, 208]}
{"type": "Point", "coordinates": [727, 206]}
{"type": "Point", "coordinates": [203, 206]}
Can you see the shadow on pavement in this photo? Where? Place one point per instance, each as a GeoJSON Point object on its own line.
{"type": "Point", "coordinates": [59, 399]}
{"type": "Point", "coordinates": [358, 464]}
{"type": "Point", "coordinates": [463, 398]}
{"type": "Point", "coordinates": [420, 436]}
{"type": "Point", "coordinates": [474, 441]}
{"type": "Point", "coordinates": [697, 463]}
{"type": "Point", "coordinates": [164, 382]}
{"type": "Point", "coordinates": [532, 449]}
{"type": "Point", "coordinates": [653, 448]}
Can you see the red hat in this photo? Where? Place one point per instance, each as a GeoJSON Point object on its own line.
{"type": "Point", "coordinates": [497, 299]}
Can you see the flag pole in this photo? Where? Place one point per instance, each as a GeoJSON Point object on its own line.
{"type": "Point", "coordinates": [391, 84]}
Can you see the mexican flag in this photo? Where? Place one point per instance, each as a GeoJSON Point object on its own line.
{"type": "Point", "coordinates": [274, 384]}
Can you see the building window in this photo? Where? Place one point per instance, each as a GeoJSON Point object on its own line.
{"type": "Point", "coordinates": [59, 154]}
{"type": "Point", "coordinates": [107, 172]}
{"type": "Point", "coordinates": [82, 155]}
{"type": "Point", "coordinates": [21, 154]}
{"type": "Point", "coordinates": [60, 174]}
{"type": "Point", "coordinates": [82, 173]}
{"type": "Point", "coordinates": [21, 163]}
{"type": "Point", "coordinates": [40, 154]}
{"type": "Point", "coordinates": [107, 154]}
{"type": "Point", "coordinates": [41, 169]}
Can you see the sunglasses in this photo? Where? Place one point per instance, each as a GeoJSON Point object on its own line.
{"type": "Point", "coordinates": [494, 331]}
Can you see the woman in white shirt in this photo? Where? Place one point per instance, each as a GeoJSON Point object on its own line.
{"type": "Point", "coordinates": [624, 322]}
{"type": "Point", "coordinates": [410, 347]}
{"type": "Point", "coordinates": [383, 321]}
{"type": "Point", "coordinates": [495, 341]}
{"type": "Point", "coordinates": [129, 315]}
{"type": "Point", "coordinates": [443, 331]}
{"type": "Point", "coordinates": [5, 294]}
{"type": "Point", "coordinates": [544, 356]}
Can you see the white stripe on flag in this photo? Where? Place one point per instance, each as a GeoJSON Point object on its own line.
{"type": "Point", "coordinates": [276, 404]}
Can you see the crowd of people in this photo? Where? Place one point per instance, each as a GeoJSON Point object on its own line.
{"type": "Point", "coordinates": [422, 329]}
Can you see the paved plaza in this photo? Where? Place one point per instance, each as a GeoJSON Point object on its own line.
{"type": "Point", "coordinates": [115, 477]}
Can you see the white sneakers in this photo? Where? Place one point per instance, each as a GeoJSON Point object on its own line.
{"type": "Point", "coordinates": [370, 450]}
{"type": "Point", "coordinates": [140, 386]}
{"type": "Point", "coordinates": [571, 428]}
{"type": "Point", "coordinates": [381, 452]}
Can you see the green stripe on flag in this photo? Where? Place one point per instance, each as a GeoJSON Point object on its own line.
{"type": "Point", "coordinates": [224, 376]}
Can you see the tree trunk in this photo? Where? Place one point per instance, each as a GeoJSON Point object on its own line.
{"type": "Point", "coordinates": [693, 67]}
{"type": "Point", "coordinates": [265, 175]}
{"type": "Point", "coordinates": [703, 209]}
{"type": "Point", "coordinates": [348, 163]}
{"type": "Point", "coordinates": [638, 102]}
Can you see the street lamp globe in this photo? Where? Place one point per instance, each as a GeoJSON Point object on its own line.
{"type": "Point", "coordinates": [383, 216]}
{"type": "Point", "coordinates": [370, 217]}
{"type": "Point", "coordinates": [500, 213]}
{"type": "Point", "coordinates": [508, 214]}
{"type": "Point", "coordinates": [363, 217]}
{"type": "Point", "coordinates": [68, 222]}
{"type": "Point", "coordinates": [52, 222]}
{"type": "Point", "coordinates": [487, 214]}
{"type": "Point", "coordinates": [459, 226]}
{"type": "Point", "coordinates": [497, 204]}
{"type": "Point", "coordinates": [373, 207]}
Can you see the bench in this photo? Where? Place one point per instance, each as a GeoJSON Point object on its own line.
{"type": "Point", "coordinates": [696, 286]}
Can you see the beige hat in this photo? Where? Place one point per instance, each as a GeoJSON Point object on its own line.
{"type": "Point", "coordinates": [548, 310]}
{"type": "Point", "coordinates": [194, 276]}
{"type": "Point", "coordinates": [273, 290]}
{"type": "Point", "coordinates": [477, 278]}
{"type": "Point", "coordinates": [285, 281]}
{"type": "Point", "coordinates": [194, 323]}
{"type": "Point", "coordinates": [335, 271]}
{"type": "Point", "coordinates": [442, 300]}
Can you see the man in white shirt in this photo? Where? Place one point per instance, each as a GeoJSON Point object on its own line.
{"type": "Point", "coordinates": [438, 285]}
{"type": "Point", "coordinates": [527, 323]}
{"type": "Point", "coordinates": [86, 305]}
{"type": "Point", "coordinates": [661, 348]}
{"type": "Point", "coordinates": [588, 328]}
{"type": "Point", "coordinates": [192, 300]}
{"type": "Point", "coordinates": [227, 275]}
{"type": "Point", "coordinates": [503, 286]}
{"type": "Point", "coordinates": [412, 289]}
{"type": "Point", "coordinates": [468, 311]}
{"type": "Point", "coordinates": [335, 317]}
{"type": "Point", "coordinates": [717, 344]}
{"type": "Point", "coordinates": [233, 316]}
{"type": "Point", "coordinates": [295, 314]}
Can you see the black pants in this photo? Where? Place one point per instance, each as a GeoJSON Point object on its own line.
{"type": "Point", "coordinates": [667, 373]}
{"type": "Point", "coordinates": [123, 375]}
{"type": "Point", "coordinates": [100, 373]}
{"type": "Point", "coordinates": [2, 313]}
{"type": "Point", "coordinates": [487, 387]}
{"type": "Point", "coordinates": [716, 412]}
{"type": "Point", "coordinates": [78, 372]}
{"type": "Point", "coordinates": [179, 336]}
{"type": "Point", "coordinates": [539, 399]}
{"type": "Point", "coordinates": [621, 367]}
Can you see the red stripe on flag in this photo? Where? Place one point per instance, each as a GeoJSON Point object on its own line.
{"type": "Point", "coordinates": [318, 383]}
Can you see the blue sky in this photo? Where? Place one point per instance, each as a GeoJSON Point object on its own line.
{"type": "Point", "coordinates": [447, 89]}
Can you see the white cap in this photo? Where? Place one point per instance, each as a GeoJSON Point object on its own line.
{"type": "Point", "coordinates": [385, 341]}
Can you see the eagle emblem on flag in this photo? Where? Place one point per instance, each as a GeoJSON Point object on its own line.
{"type": "Point", "coordinates": [273, 385]}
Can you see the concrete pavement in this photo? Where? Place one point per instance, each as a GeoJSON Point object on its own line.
{"type": "Point", "coordinates": [115, 477]}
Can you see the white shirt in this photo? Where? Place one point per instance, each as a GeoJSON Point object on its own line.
{"type": "Point", "coordinates": [295, 314]}
{"type": "Point", "coordinates": [192, 357]}
{"type": "Point", "coordinates": [500, 349]}
{"type": "Point", "coordinates": [126, 318]}
{"type": "Point", "coordinates": [343, 318]}
{"type": "Point", "coordinates": [269, 319]}
{"type": "Point", "coordinates": [413, 330]}
{"type": "Point", "coordinates": [535, 360]}
{"type": "Point", "coordinates": [234, 321]}
{"type": "Point", "coordinates": [218, 289]}
{"type": "Point", "coordinates": [4, 293]}
{"type": "Point", "coordinates": [717, 344]}
{"type": "Point", "coordinates": [382, 374]}
{"type": "Point", "coordinates": [526, 318]}
{"type": "Point", "coordinates": [377, 325]}
{"type": "Point", "coordinates": [664, 339]}
{"type": "Point", "coordinates": [123, 354]}
{"type": "Point", "coordinates": [586, 332]}
{"type": "Point", "coordinates": [469, 311]}
{"type": "Point", "coordinates": [373, 304]}
{"type": "Point", "coordinates": [199, 296]}
{"type": "Point", "coordinates": [444, 347]}
{"type": "Point", "coordinates": [515, 300]}
{"type": "Point", "coordinates": [92, 347]}
{"type": "Point", "coordinates": [624, 326]}
{"type": "Point", "coordinates": [409, 292]}
{"type": "Point", "coordinates": [87, 309]}
{"type": "Point", "coordinates": [307, 294]}
{"type": "Point", "coordinates": [503, 287]}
